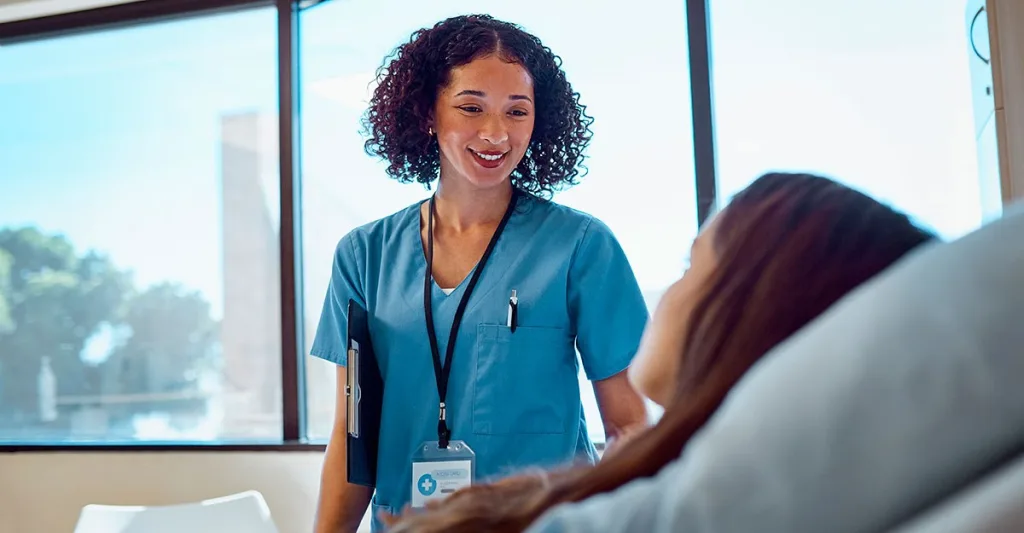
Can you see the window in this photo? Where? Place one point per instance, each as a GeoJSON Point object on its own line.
{"type": "Point", "coordinates": [139, 214]}
{"type": "Point", "coordinates": [878, 94]}
{"type": "Point", "coordinates": [141, 268]}
{"type": "Point", "coordinates": [635, 185]}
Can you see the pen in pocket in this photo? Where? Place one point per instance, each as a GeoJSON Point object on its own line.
{"type": "Point", "coordinates": [513, 311]}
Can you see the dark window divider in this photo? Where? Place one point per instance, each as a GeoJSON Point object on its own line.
{"type": "Point", "coordinates": [698, 26]}
{"type": "Point", "coordinates": [292, 345]}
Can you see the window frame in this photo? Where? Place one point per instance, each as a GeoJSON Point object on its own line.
{"type": "Point", "coordinates": [288, 60]}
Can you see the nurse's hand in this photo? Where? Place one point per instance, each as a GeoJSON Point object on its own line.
{"type": "Point", "coordinates": [623, 440]}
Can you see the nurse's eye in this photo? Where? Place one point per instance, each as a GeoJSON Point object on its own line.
{"type": "Point", "coordinates": [470, 108]}
{"type": "Point", "coordinates": [518, 113]}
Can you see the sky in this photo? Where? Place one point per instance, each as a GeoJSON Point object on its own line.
{"type": "Point", "coordinates": [114, 138]}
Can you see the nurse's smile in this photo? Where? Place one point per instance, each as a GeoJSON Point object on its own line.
{"type": "Point", "coordinates": [489, 159]}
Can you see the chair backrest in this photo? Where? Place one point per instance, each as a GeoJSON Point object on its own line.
{"type": "Point", "coordinates": [245, 512]}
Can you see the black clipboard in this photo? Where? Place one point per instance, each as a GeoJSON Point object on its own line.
{"type": "Point", "coordinates": [364, 392]}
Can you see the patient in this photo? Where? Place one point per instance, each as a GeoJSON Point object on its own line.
{"type": "Point", "coordinates": [785, 249]}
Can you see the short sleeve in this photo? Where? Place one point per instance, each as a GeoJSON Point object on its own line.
{"type": "Point", "coordinates": [330, 340]}
{"type": "Point", "coordinates": [605, 303]}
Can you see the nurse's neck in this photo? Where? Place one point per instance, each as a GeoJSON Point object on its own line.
{"type": "Point", "coordinates": [462, 206]}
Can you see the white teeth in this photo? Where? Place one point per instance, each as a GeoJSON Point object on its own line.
{"type": "Point", "coordinates": [488, 157]}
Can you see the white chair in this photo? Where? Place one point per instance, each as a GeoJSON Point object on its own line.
{"type": "Point", "coordinates": [245, 512]}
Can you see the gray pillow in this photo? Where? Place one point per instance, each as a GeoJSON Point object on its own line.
{"type": "Point", "coordinates": [900, 394]}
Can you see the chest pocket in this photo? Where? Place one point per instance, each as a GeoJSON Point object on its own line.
{"type": "Point", "coordinates": [525, 381]}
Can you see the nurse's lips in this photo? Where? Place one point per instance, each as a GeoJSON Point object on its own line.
{"type": "Point", "coordinates": [488, 158]}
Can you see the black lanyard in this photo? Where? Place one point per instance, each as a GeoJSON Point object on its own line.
{"type": "Point", "coordinates": [443, 371]}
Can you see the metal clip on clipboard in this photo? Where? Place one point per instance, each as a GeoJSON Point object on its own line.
{"type": "Point", "coordinates": [352, 389]}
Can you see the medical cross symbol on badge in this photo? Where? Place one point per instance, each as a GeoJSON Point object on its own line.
{"type": "Point", "coordinates": [426, 485]}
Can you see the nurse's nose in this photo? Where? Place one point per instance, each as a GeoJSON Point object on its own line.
{"type": "Point", "coordinates": [493, 130]}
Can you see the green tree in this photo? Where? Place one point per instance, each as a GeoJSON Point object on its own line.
{"type": "Point", "coordinates": [172, 340]}
{"type": "Point", "coordinates": [54, 301]}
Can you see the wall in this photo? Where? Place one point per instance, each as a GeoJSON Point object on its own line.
{"type": "Point", "coordinates": [43, 492]}
{"type": "Point", "coordinates": [1006, 29]}
{"type": "Point", "coordinates": [25, 9]}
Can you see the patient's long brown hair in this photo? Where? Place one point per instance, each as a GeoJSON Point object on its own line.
{"type": "Point", "coordinates": [788, 246]}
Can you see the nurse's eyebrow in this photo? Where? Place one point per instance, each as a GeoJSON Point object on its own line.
{"type": "Point", "coordinates": [481, 94]}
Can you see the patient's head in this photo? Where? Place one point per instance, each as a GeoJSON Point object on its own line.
{"type": "Point", "coordinates": [785, 249]}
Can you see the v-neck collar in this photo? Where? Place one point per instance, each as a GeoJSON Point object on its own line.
{"type": "Point", "coordinates": [416, 232]}
{"type": "Point", "coordinates": [415, 236]}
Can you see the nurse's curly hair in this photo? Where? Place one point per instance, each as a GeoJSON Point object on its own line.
{"type": "Point", "coordinates": [398, 120]}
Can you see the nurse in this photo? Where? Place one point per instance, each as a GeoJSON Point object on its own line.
{"type": "Point", "coordinates": [480, 295]}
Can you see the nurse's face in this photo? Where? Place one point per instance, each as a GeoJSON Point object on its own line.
{"type": "Point", "coordinates": [655, 370]}
{"type": "Point", "coordinates": [484, 120]}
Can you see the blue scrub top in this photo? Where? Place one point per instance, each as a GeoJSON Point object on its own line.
{"type": "Point", "coordinates": [514, 398]}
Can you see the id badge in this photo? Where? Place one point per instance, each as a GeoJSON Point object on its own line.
{"type": "Point", "coordinates": [438, 472]}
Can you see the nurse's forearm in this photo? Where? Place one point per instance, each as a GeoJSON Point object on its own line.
{"type": "Point", "coordinates": [622, 408]}
{"type": "Point", "coordinates": [341, 505]}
